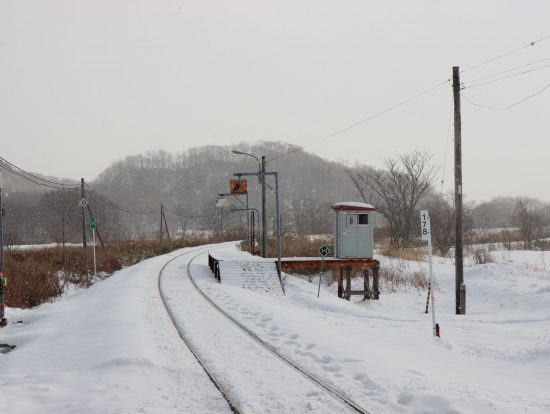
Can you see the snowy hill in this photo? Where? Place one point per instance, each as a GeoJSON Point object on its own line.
{"type": "Point", "coordinates": [113, 349]}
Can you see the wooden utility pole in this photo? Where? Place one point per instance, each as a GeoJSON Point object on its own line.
{"type": "Point", "coordinates": [460, 288]}
{"type": "Point", "coordinates": [166, 226]}
{"type": "Point", "coordinates": [83, 204]}
{"type": "Point", "coordinates": [161, 217]}
{"type": "Point", "coordinates": [97, 228]}
{"type": "Point", "coordinates": [3, 320]}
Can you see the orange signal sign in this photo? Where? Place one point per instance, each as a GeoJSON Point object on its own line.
{"type": "Point", "coordinates": [238, 186]}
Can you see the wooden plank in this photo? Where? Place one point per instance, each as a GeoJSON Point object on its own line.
{"type": "Point", "coordinates": [332, 263]}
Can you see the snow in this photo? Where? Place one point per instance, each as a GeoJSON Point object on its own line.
{"type": "Point", "coordinates": [353, 204]}
{"type": "Point", "coordinates": [113, 349]}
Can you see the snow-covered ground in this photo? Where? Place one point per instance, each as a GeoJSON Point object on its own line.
{"type": "Point", "coordinates": [113, 349]}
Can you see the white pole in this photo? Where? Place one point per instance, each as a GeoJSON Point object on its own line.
{"type": "Point", "coordinates": [427, 236]}
{"type": "Point", "coordinates": [95, 269]}
{"type": "Point", "coordinates": [433, 286]}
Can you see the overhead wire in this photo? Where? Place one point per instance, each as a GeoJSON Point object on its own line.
{"type": "Point", "coordinates": [446, 148]}
{"type": "Point", "coordinates": [362, 121]}
{"type": "Point", "coordinates": [466, 86]}
{"type": "Point", "coordinates": [511, 52]}
{"type": "Point", "coordinates": [28, 176]}
{"type": "Point", "coordinates": [508, 70]}
{"type": "Point", "coordinates": [35, 179]}
{"type": "Point", "coordinates": [509, 106]}
{"type": "Point", "coordinates": [118, 206]}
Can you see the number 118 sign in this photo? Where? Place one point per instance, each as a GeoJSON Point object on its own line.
{"type": "Point", "coordinates": [425, 225]}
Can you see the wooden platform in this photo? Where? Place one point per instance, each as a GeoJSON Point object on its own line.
{"type": "Point", "coordinates": [312, 262]}
{"type": "Point", "coordinates": [345, 268]}
{"type": "Point", "coordinates": [244, 268]}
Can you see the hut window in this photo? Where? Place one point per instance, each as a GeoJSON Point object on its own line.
{"type": "Point", "coordinates": [352, 220]}
{"type": "Point", "coordinates": [363, 219]}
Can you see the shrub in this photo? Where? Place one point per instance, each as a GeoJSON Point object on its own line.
{"type": "Point", "coordinates": [40, 275]}
{"type": "Point", "coordinates": [482, 256]}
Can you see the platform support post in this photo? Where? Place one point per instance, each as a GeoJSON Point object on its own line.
{"type": "Point", "coordinates": [375, 288]}
{"type": "Point", "coordinates": [366, 284]}
{"type": "Point", "coordinates": [348, 282]}
{"type": "Point", "coordinates": [340, 273]}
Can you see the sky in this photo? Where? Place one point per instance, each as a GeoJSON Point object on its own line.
{"type": "Point", "coordinates": [86, 83]}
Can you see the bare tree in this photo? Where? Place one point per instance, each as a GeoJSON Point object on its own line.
{"type": "Point", "coordinates": [396, 191]}
{"type": "Point", "coordinates": [528, 217]}
{"type": "Point", "coordinates": [442, 216]}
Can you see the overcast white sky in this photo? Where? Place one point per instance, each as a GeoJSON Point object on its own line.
{"type": "Point", "coordinates": [84, 83]}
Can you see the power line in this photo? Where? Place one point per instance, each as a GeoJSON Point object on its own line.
{"type": "Point", "coordinates": [508, 70]}
{"type": "Point", "coordinates": [506, 77]}
{"type": "Point", "coordinates": [509, 106]}
{"type": "Point", "coordinates": [506, 54]}
{"type": "Point", "coordinates": [14, 169]}
{"type": "Point", "coordinates": [188, 216]}
{"type": "Point", "coordinates": [34, 178]}
{"type": "Point", "coordinates": [533, 43]}
{"type": "Point", "coordinates": [118, 206]}
{"type": "Point", "coordinates": [362, 121]}
{"type": "Point", "coordinates": [446, 147]}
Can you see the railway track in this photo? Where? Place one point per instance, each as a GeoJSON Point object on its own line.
{"type": "Point", "coordinates": [235, 405]}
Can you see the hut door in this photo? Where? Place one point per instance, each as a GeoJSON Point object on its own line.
{"type": "Point", "coordinates": [352, 243]}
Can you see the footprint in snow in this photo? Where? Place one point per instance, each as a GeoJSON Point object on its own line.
{"type": "Point", "coordinates": [325, 359]}
{"type": "Point", "coordinates": [331, 368]}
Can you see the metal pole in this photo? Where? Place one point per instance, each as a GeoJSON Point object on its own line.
{"type": "Point", "coordinates": [248, 223]}
{"type": "Point", "coordinates": [84, 243]}
{"type": "Point", "coordinates": [459, 252]}
{"type": "Point", "coordinates": [264, 218]}
{"type": "Point", "coordinates": [321, 275]}
{"type": "Point", "coordinates": [252, 232]}
{"type": "Point", "coordinates": [277, 213]}
{"type": "Point", "coordinates": [95, 266]}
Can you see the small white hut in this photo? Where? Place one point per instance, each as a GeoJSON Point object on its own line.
{"type": "Point", "coordinates": [353, 230]}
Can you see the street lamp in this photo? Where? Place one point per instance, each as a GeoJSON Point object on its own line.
{"type": "Point", "coordinates": [261, 178]}
{"type": "Point", "coordinates": [246, 153]}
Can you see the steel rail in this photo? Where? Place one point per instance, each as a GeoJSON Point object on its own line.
{"type": "Point", "coordinates": [338, 395]}
{"type": "Point", "coordinates": [232, 405]}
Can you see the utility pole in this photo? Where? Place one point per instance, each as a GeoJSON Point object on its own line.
{"type": "Point", "coordinates": [166, 226]}
{"type": "Point", "coordinates": [264, 218]}
{"type": "Point", "coordinates": [96, 228]}
{"type": "Point", "coordinates": [3, 320]}
{"type": "Point", "coordinates": [161, 217]}
{"type": "Point", "coordinates": [460, 288]}
{"type": "Point", "coordinates": [83, 204]}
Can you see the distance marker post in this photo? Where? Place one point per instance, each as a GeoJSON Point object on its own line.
{"type": "Point", "coordinates": [427, 236]}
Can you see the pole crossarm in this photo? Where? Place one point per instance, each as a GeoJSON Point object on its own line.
{"type": "Point", "coordinates": [257, 174]}
{"type": "Point", "coordinates": [234, 195]}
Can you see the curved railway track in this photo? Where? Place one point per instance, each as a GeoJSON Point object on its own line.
{"type": "Point", "coordinates": [327, 388]}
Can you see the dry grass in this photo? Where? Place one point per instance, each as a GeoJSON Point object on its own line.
{"type": "Point", "coordinates": [392, 278]}
{"type": "Point", "coordinates": [481, 256]}
{"type": "Point", "coordinates": [40, 275]}
{"type": "Point", "coordinates": [413, 254]}
{"type": "Point", "coordinates": [295, 246]}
